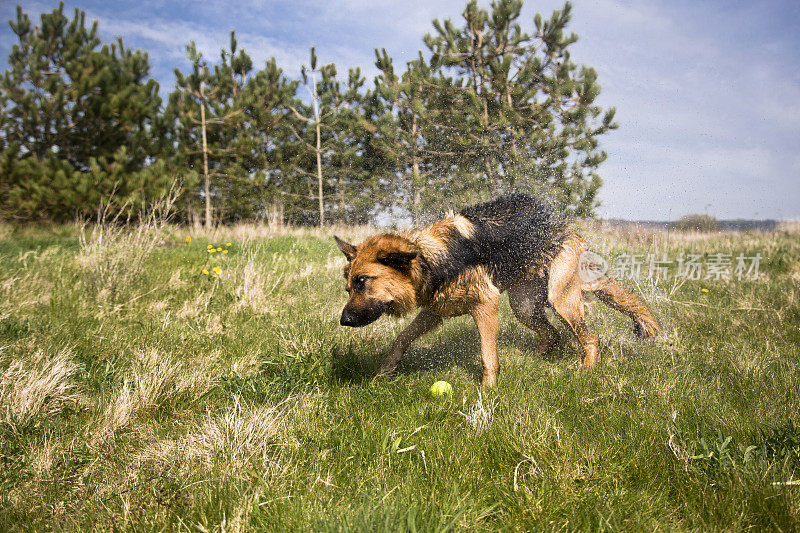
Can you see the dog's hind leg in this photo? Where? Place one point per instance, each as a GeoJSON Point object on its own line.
{"type": "Point", "coordinates": [568, 305]}
{"type": "Point", "coordinates": [425, 322]}
{"type": "Point", "coordinates": [613, 294]}
{"type": "Point", "coordinates": [565, 295]}
{"type": "Point", "coordinates": [527, 300]}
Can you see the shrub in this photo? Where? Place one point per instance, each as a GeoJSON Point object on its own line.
{"type": "Point", "coordinates": [696, 223]}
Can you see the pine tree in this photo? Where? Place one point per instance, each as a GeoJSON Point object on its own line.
{"type": "Point", "coordinates": [267, 98]}
{"type": "Point", "coordinates": [77, 118]}
{"type": "Point", "coordinates": [356, 187]}
{"type": "Point", "coordinates": [407, 135]}
{"type": "Point", "coordinates": [208, 118]}
{"type": "Point", "coordinates": [328, 133]}
{"type": "Point", "coordinates": [492, 108]}
{"type": "Point", "coordinates": [519, 112]}
{"type": "Point", "coordinates": [187, 122]}
{"type": "Point", "coordinates": [235, 188]}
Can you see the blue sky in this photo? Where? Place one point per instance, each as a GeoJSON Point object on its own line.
{"type": "Point", "coordinates": [707, 93]}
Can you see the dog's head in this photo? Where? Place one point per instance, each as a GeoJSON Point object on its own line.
{"type": "Point", "coordinates": [380, 274]}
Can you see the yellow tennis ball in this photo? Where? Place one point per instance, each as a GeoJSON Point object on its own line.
{"type": "Point", "coordinates": [441, 388]}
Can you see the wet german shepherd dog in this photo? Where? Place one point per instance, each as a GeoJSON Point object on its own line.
{"type": "Point", "coordinates": [462, 263]}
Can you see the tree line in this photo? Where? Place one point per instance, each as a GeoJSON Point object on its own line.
{"type": "Point", "coordinates": [488, 107]}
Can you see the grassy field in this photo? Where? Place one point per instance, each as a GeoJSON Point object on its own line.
{"type": "Point", "coordinates": [138, 393]}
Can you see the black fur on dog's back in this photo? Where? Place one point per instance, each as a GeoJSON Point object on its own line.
{"type": "Point", "coordinates": [513, 234]}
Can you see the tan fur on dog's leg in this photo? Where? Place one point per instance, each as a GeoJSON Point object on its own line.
{"type": "Point", "coordinates": [486, 316]}
{"type": "Point", "coordinates": [569, 306]}
{"type": "Point", "coordinates": [613, 294]}
{"type": "Point", "coordinates": [566, 297]}
{"type": "Point", "coordinates": [425, 322]}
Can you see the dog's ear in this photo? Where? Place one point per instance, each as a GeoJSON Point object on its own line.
{"type": "Point", "coordinates": [347, 249]}
{"type": "Point", "coordinates": [398, 260]}
{"type": "Point", "coordinates": [396, 252]}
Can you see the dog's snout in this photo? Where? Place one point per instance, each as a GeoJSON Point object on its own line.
{"type": "Point", "coordinates": [361, 316]}
{"type": "Point", "coordinates": [348, 318]}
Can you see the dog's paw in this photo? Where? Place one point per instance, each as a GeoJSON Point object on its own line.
{"type": "Point", "coordinates": [384, 373]}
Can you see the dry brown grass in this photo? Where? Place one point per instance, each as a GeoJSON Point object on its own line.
{"type": "Point", "coordinates": [242, 436]}
{"type": "Point", "coordinates": [113, 254]}
{"type": "Point", "coordinates": [155, 379]}
{"type": "Point", "coordinates": [790, 226]}
{"type": "Point", "coordinates": [248, 232]}
{"type": "Point", "coordinates": [112, 257]}
{"type": "Point", "coordinates": [29, 281]}
{"type": "Point", "coordinates": [256, 286]}
{"type": "Point", "coordinates": [38, 386]}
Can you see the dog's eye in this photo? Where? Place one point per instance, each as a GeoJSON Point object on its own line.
{"type": "Point", "coordinates": [359, 282]}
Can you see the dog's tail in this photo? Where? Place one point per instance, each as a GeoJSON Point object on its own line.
{"type": "Point", "coordinates": [613, 294]}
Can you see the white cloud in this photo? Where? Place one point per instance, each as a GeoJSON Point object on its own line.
{"type": "Point", "coordinates": [169, 39]}
{"type": "Point", "coordinates": [706, 116]}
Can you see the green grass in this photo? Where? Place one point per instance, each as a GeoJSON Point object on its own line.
{"type": "Point", "coordinates": [148, 396]}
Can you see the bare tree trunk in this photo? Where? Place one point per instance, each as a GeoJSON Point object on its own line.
{"type": "Point", "coordinates": [319, 181]}
{"type": "Point", "coordinates": [275, 219]}
{"type": "Point", "coordinates": [490, 176]}
{"type": "Point", "coordinates": [514, 162]}
{"type": "Point", "coordinates": [319, 153]}
{"type": "Point", "coordinates": [194, 217]}
{"type": "Point", "coordinates": [205, 155]}
{"type": "Point", "coordinates": [415, 178]}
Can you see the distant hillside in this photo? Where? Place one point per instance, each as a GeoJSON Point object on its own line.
{"type": "Point", "coordinates": [724, 225]}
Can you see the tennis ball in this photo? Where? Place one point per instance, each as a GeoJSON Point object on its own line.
{"type": "Point", "coordinates": [441, 388]}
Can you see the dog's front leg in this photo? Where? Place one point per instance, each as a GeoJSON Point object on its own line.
{"type": "Point", "coordinates": [486, 316]}
{"type": "Point", "coordinates": [425, 321]}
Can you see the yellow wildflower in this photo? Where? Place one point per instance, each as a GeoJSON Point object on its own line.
{"type": "Point", "coordinates": [210, 246]}
{"type": "Point", "coordinates": [217, 270]}
{"type": "Point", "coordinates": [224, 251]}
{"type": "Point", "coordinates": [227, 244]}
{"type": "Point", "coordinates": [188, 239]}
{"type": "Point", "coordinates": [205, 272]}
{"type": "Point", "coordinates": [219, 249]}
{"type": "Point", "coordinates": [704, 290]}
{"type": "Point", "coordinates": [211, 251]}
